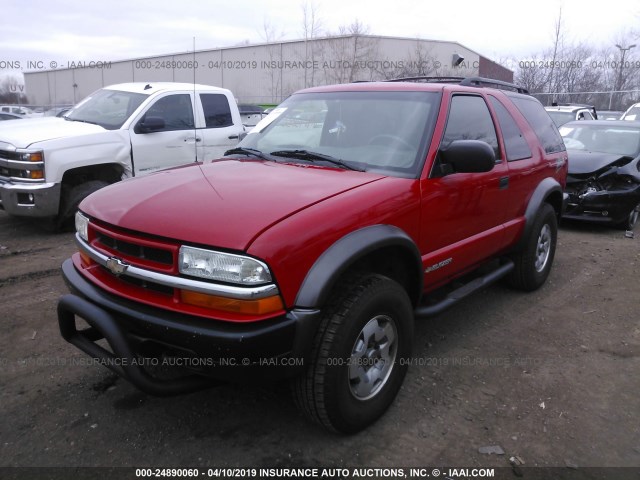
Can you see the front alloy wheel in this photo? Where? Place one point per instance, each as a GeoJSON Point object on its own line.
{"type": "Point", "coordinates": [360, 354]}
{"type": "Point", "coordinates": [373, 357]}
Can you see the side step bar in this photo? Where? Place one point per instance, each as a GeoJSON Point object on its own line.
{"type": "Point", "coordinates": [464, 291]}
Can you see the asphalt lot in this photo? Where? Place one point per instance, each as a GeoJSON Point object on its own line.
{"type": "Point", "coordinates": [551, 377]}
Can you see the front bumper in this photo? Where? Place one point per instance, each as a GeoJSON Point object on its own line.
{"type": "Point", "coordinates": [140, 336]}
{"type": "Point", "coordinates": [608, 206]}
{"type": "Point", "coordinates": [30, 200]}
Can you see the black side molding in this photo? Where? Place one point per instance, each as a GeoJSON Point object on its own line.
{"type": "Point", "coordinates": [325, 272]}
{"type": "Point", "coordinates": [547, 189]}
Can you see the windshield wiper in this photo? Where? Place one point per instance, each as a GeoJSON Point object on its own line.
{"type": "Point", "coordinates": [69, 119]}
{"type": "Point", "coordinates": [314, 156]}
{"type": "Point", "coordinates": [251, 152]}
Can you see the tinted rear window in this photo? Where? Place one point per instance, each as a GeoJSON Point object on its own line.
{"type": "Point", "coordinates": [541, 123]}
{"type": "Point", "coordinates": [216, 110]}
{"type": "Point", "coordinates": [514, 142]}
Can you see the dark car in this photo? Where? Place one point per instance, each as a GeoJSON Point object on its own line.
{"type": "Point", "coordinates": [604, 177]}
{"type": "Point", "coordinates": [10, 116]}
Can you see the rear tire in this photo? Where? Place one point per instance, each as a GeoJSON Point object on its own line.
{"type": "Point", "coordinates": [533, 262]}
{"type": "Point", "coordinates": [360, 354]}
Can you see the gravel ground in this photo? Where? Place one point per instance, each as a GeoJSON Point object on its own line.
{"type": "Point", "coordinates": [551, 377]}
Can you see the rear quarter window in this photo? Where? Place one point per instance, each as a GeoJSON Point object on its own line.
{"type": "Point", "coordinates": [515, 144]}
{"type": "Point", "coordinates": [217, 112]}
{"type": "Point", "coordinates": [541, 123]}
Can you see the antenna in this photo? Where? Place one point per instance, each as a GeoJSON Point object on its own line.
{"type": "Point", "coordinates": [195, 129]}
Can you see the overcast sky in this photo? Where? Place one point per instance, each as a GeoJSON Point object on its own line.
{"type": "Point", "coordinates": [71, 30]}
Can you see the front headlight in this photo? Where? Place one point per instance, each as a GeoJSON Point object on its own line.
{"type": "Point", "coordinates": [82, 226]}
{"type": "Point", "coordinates": [223, 267]}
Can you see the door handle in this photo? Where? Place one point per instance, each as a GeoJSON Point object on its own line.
{"type": "Point", "coordinates": [232, 137]}
{"type": "Point", "coordinates": [504, 183]}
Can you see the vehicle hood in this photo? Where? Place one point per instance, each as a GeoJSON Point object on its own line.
{"type": "Point", "coordinates": [225, 204]}
{"type": "Point", "coordinates": [581, 162]}
{"type": "Point", "coordinates": [26, 132]}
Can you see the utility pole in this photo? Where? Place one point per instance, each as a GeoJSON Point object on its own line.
{"type": "Point", "coordinates": [623, 51]}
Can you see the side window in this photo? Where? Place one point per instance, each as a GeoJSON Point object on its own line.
{"type": "Point", "coordinates": [514, 142]}
{"type": "Point", "coordinates": [541, 123]}
{"type": "Point", "coordinates": [216, 110]}
{"type": "Point", "coordinates": [587, 116]}
{"type": "Point", "coordinates": [470, 119]}
{"type": "Point", "coordinates": [175, 110]}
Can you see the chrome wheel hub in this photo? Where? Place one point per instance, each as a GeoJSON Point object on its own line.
{"type": "Point", "coordinates": [543, 248]}
{"type": "Point", "coordinates": [372, 357]}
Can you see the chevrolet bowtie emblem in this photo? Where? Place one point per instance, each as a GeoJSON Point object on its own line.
{"type": "Point", "coordinates": [116, 266]}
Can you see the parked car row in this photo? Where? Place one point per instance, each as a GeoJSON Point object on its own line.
{"type": "Point", "coordinates": [562, 113]}
{"type": "Point", "coordinates": [27, 112]}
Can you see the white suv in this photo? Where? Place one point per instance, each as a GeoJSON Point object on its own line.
{"type": "Point", "coordinates": [563, 113]}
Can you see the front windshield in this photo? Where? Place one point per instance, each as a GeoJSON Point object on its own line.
{"type": "Point", "coordinates": [385, 132]}
{"type": "Point", "coordinates": [107, 108]}
{"type": "Point", "coordinates": [560, 118]}
{"type": "Point", "coordinates": [605, 139]}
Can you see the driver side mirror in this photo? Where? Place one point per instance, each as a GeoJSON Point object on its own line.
{"type": "Point", "coordinates": [150, 124]}
{"type": "Point", "coordinates": [468, 156]}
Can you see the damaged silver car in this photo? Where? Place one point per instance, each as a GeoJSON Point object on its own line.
{"type": "Point", "coordinates": [604, 171]}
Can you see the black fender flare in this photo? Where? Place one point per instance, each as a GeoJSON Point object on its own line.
{"type": "Point", "coordinates": [334, 261]}
{"type": "Point", "coordinates": [546, 188]}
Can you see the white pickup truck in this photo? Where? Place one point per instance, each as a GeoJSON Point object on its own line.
{"type": "Point", "coordinates": [48, 165]}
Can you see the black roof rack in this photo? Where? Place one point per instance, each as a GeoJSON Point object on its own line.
{"type": "Point", "coordinates": [466, 81]}
{"type": "Point", "coordinates": [428, 79]}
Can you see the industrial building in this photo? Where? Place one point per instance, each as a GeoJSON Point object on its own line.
{"type": "Point", "coordinates": [267, 73]}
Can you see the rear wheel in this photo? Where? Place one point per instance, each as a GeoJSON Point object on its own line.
{"type": "Point", "coordinates": [360, 354]}
{"type": "Point", "coordinates": [533, 262]}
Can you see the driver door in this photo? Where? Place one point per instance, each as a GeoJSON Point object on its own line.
{"type": "Point", "coordinates": [467, 208]}
{"type": "Point", "coordinates": [175, 143]}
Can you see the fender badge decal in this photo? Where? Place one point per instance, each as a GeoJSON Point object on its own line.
{"type": "Point", "coordinates": [439, 265]}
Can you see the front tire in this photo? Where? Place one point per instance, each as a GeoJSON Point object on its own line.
{"type": "Point", "coordinates": [632, 219]}
{"type": "Point", "coordinates": [533, 263]}
{"type": "Point", "coordinates": [360, 354]}
{"type": "Point", "coordinates": [64, 222]}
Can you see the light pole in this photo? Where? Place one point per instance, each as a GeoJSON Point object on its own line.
{"type": "Point", "coordinates": [623, 51]}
